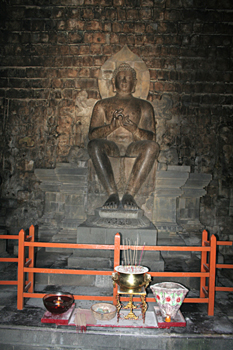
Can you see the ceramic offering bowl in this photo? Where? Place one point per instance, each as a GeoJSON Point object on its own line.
{"type": "Point", "coordinates": [58, 303]}
{"type": "Point", "coordinates": [131, 278]}
{"type": "Point", "coordinates": [103, 311]}
{"type": "Point", "coordinates": [169, 297]}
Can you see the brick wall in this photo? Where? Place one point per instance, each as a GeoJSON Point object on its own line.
{"type": "Point", "coordinates": [52, 50]}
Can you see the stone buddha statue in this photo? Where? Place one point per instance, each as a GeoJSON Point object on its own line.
{"type": "Point", "coordinates": [123, 126]}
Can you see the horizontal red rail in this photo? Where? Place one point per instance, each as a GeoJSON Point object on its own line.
{"type": "Point", "coordinates": [110, 298]}
{"type": "Point", "coordinates": [224, 243]}
{"type": "Point", "coordinates": [224, 289]}
{"type": "Point", "coordinates": [68, 245]}
{"type": "Point", "coordinates": [9, 283]}
{"type": "Point", "coordinates": [111, 247]}
{"type": "Point", "coordinates": [9, 236]}
{"type": "Point", "coordinates": [76, 297]}
{"type": "Point", "coordinates": [224, 266]}
{"type": "Point", "coordinates": [109, 273]}
{"type": "Point", "coordinates": [66, 271]}
{"type": "Point", "coordinates": [8, 259]}
{"type": "Point", "coordinates": [179, 274]}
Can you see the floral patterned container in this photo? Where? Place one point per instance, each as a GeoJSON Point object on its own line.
{"type": "Point", "coordinates": [169, 296]}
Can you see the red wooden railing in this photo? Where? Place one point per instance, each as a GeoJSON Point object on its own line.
{"type": "Point", "coordinates": [211, 265]}
{"type": "Point", "coordinates": [5, 259]}
{"type": "Point", "coordinates": [26, 266]}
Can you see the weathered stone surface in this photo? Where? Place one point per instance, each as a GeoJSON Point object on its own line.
{"type": "Point", "coordinates": [119, 219]}
{"type": "Point", "coordinates": [188, 213]}
{"type": "Point", "coordinates": [167, 190]}
{"type": "Point", "coordinates": [65, 199]}
{"type": "Point", "coordinates": [105, 235]}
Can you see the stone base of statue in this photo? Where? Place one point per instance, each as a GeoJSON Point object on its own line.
{"type": "Point", "coordinates": [118, 219]}
{"type": "Point", "coordinates": [101, 228]}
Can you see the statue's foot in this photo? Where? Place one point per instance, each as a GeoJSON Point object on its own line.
{"type": "Point", "coordinates": [128, 202]}
{"type": "Point", "coordinates": [112, 202]}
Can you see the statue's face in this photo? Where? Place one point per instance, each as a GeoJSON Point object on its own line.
{"type": "Point", "coordinates": [124, 81]}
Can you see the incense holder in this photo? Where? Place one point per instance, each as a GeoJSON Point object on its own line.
{"type": "Point", "coordinates": [169, 297]}
{"type": "Point", "coordinates": [131, 278]}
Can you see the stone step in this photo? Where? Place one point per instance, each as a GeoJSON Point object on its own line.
{"type": "Point", "coordinates": [94, 263]}
{"type": "Point", "coordinates": [69, 280]}
{"type": "Point", "coordinates": [89, 263]}
{"type": "Point", "coordinates": [172, 239]}
{"type": "Point", "coordinates": [189, 282]}
{"type": "Point", "coordinates": [99, 338]}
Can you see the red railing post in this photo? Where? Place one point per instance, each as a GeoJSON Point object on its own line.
{"type": "Point", "coordinates": [31, 256]}
{"type": "Point", "coordinates": [212, 266]}
{"type": "Point", "coordinates": [203, 262]}
{"type": "Point", "coordinates": [21, 260]}
{"type": "Point", "coordinates": [117, 252]}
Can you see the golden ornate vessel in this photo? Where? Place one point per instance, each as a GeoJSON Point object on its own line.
{"type": "Point", "coordinates": [131, 278]}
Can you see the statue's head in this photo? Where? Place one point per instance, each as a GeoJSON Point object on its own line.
{"type": "Point", "coordinates": [124, 78]}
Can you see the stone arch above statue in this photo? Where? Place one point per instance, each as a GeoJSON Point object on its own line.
{"type": "Point", "coordinates": [125, 55]}
{"type": "Point", "coordinates": [123, 126]}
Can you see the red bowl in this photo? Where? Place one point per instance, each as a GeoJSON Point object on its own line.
{"type": "Point", "coordinates": [58, 303]}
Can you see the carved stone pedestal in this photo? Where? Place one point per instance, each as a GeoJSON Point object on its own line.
{"type": "Point", "coordinates": [119, 219]}
{"type": "Point", "coordinates": [188, 213]}
{"type": "Point", "coordinates": [65, 195]}
{"type": "Point", "coordinates": [177, 207]}
{"type": "Point", "coordinates": [112, 222]}
{"type": "Point", "coordinates": [167, 190]}
{"type": "Point", "coordinates": [177, 199]}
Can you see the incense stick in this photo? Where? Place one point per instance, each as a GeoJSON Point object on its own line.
{"type": "Point", "coordinates": [141, 254]}
{"type": "Point", "coordinates": [124, 252]}
{"type": "Point", "coordinates": [136, 258]}
{"type": "Point", "coordinates": [127, 254]}
{"type": "Point", "coordinates": [134, 255]}
{"type": "Point", "coordinates": [130, 253]}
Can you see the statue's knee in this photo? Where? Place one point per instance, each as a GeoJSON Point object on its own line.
{"type": "Point", "coordinates": [99, 147]}
{"type": "Point", "coordinates": [92, 146]}
{"type": "Point", "coordinates": [153, 149]}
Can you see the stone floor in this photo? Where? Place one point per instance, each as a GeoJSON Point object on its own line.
{"type": "Point", "coordinates": [24, 330]}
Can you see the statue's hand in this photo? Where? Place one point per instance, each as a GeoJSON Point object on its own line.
{"type": "Point", "coordinates": [116, 121]}
{"type": "Point", "coordinates": [129, 125]}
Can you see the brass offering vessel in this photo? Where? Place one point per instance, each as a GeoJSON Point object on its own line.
{"type": "Point", "coordinates": [131, 278]}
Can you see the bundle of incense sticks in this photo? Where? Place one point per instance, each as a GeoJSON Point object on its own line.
{"type": "Point", "coordinates": [131, 255]}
